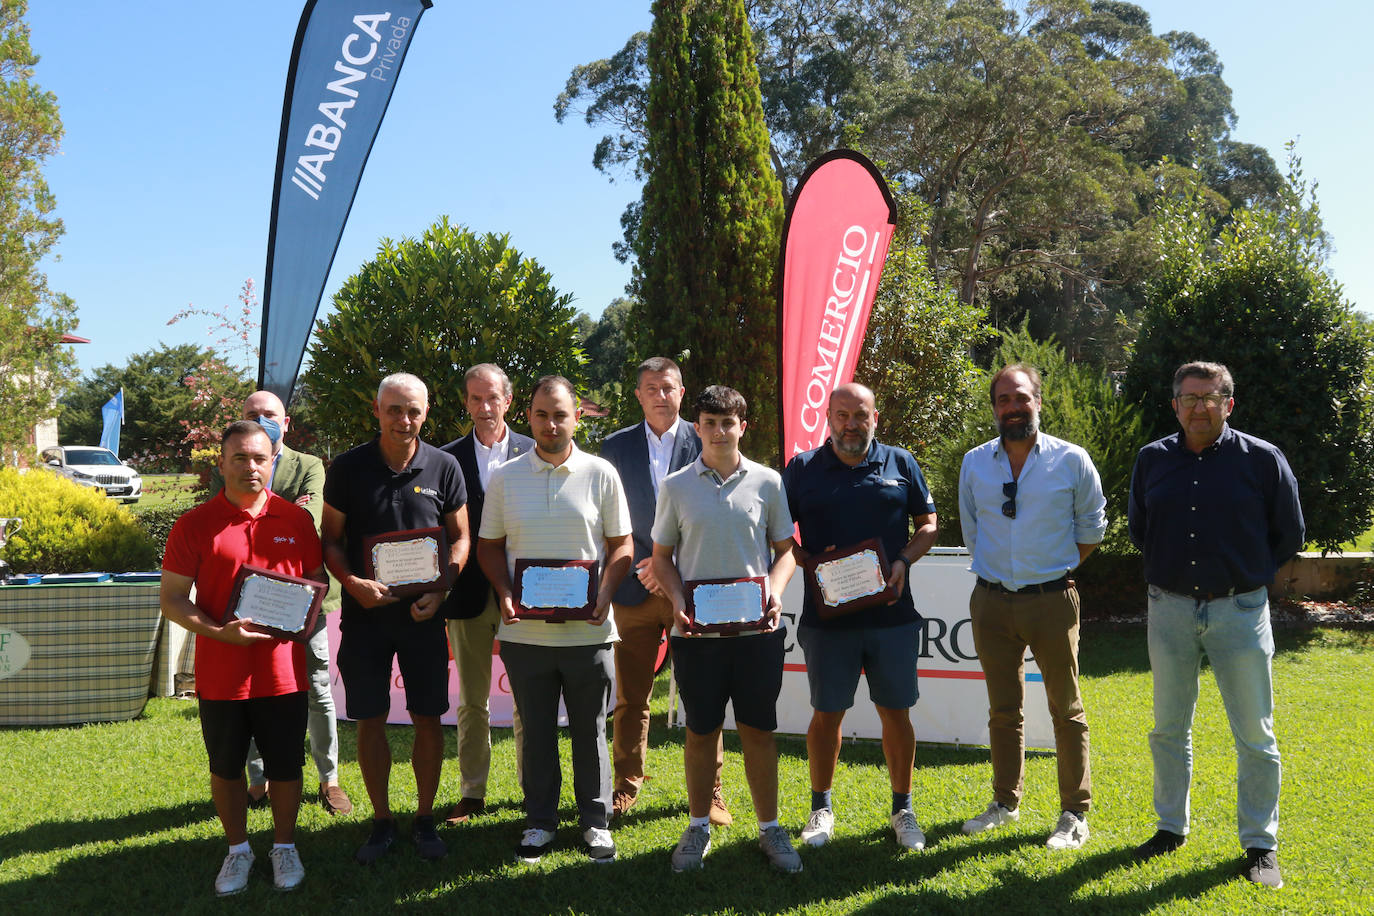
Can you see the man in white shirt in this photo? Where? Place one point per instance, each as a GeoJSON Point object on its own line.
{"type": "Point", "coordinates": [558, 503]}
{"type": "Point", "coordinates": [471, 609]}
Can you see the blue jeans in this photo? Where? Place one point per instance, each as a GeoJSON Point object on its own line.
{"type": "Point", "coordinates": [1234, 633]}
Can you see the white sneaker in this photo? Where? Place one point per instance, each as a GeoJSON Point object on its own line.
{"type": "Point", "coordinates": [691, 849]}
{"type": "Point", "coordinates": [534, 842]}
{"type": "Point", "coordinates": [600, 846]}
{"type": "Point", "coordinates": [820, 827]}
{"type": "Point", "coordinates": [995, 816]}
{"type": "Point", "coordinates": [909, 834]}
{"type": "Point", "coordinates": [778, 848]}
{"type": "Point", "coordinates": [287, 870]}
{"type": "Point", "coordinates": [1070, 833]}
{"type": "Point", "coordinates": [233, 874]}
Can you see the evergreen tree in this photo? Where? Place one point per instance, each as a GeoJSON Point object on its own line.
{"type": "Point", "coordinates": [707, 243]}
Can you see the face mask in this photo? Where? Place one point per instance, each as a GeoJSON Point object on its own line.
{"type": "Point", "coordinates": [272, 428]}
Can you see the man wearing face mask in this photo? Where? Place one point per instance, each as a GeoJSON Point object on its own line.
{"type": "Point", "coordinates": [299, 477]}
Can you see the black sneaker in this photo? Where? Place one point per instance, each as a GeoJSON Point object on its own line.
{"type": "Point", "coordinates": [1262, 867]}
{"type": "Point", "coordinates": [427, 842]}
{"type": "Point", "coordinates": [1164, 841]}
{"type": "Point", "coordinates": [378, 842]}
{"type": "Point", "coordinates": [599, 845]}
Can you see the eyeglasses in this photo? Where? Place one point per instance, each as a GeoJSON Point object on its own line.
{"type": "Point", "coordinates": [1189, 401]}
{"type": "Point", "coordinates": [1009, 507]}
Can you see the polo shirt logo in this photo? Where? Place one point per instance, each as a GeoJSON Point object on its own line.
{"type": "Point", "coordinates": [281, 540]}
{"type": "Point", "coordinates": [426, 491]}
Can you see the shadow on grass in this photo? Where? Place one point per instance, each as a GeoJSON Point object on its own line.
{"type": "Point", "coordinates": [39, 839]}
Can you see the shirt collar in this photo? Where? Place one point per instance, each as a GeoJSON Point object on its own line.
{"type": "Point", "coordinates": [1227, 434]}
{"type": "Point", "coordinates": [417, 461]}
{"type": "Point", "coordinates": [832, 460]}
{"type": "Point", "coordinates": [998, 451]}
{"type": "Point", "coordinates": [703, 469]}
{"type": "Point", "coordinates": [669, 436]}
{"type": "Point", "coordinates": [540, 465]}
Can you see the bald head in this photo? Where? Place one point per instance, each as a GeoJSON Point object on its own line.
{"type": "Point", "coordinates": [852, 417]}
{"type": "Point", "coordinates": [853, 390]}
{"type": "Point", "coordinates": [268, 405]}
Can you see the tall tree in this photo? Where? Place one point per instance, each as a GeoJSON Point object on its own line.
{"type": "Point", "coordinates": [34, 368]}
{"type": "Point", "coordinates": [707, 239]}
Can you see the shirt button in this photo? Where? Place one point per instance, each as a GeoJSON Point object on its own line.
{"type": "Point", "coordinates": [1193, 508]}
{"type": "Point", "coordinates": [1191, 534]}
{"type": "Point", "coordinates": [1194, 483]}
{"type": "Point", "coordinates": [1193, 563]}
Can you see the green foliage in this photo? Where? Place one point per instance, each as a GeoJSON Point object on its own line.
{"type": "Point", "coordinates": [159, 404]}
{"type": "Point", "coordinates": [434, 306]}
{"type": "Point", "coordinates": [69, 528]}
{"type": "Point", "coordinates": [1027, 127]}
{"type": "Point", "coordinates": [34, 366]}
{"type": "Point", "coordinates": [1258, 300]}
{"type": "Point", "coordinates": [707, 239]}
{"type": "Point", "coordinates": [916, 355]}
{"type": "Point", "coordinates": [157, 521]}
{"type": "Point", "coordinates": [1078, 404]}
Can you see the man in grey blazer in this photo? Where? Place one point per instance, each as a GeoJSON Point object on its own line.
{"type": "Point", "coordinates": [470, 608]}
{"type": "Point", "coordinates": [300, 478]}
{"type": "Point", "coordinates": [643, 455]}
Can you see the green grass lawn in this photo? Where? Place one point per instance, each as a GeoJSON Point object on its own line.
{"type": "Point", "coordinates": [118, 818]}
{"type": "Point", "coordinates": [168, 489]}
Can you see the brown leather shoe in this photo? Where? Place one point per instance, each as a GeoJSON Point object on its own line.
{"type": "Point", "coordinates": [621, 801]}
{"type": "Point", "coordinates": [720, 815]}
{"type": "Point", "coordinates": [335, 800]}
{"type": "Point", "coordinates": [466, 809]}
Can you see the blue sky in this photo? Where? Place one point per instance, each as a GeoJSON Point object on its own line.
{"type": "Point", "coordinates": [172, 111]}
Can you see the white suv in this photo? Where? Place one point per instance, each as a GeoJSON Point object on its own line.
{"type": "Point", "coordinates": [93, 466]}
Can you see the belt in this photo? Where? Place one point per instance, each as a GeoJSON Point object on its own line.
{"type": "Point", "coordinates": [1054, 585]}
{"type": "Point", "coordinates": [1210, 596]}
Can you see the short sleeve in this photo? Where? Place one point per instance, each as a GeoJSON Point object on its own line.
{"type": "Point", "coordinates": [667, 524]}
{"type": "Point", "coordinates": [615, 510]}
{"type": "Point", "coordinates": [780, 525]}
{"type": "Point", "coordinates": [181, 557]}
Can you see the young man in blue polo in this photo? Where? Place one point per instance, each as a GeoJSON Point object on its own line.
{"type": "Point", "coordinates": [718, 518]}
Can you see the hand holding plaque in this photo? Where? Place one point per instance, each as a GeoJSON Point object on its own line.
{"type": "Point", "coordinates": [555, 590]}
{"type": "Point", "coordinates": [276, 604]}
{"type": "Point", "coordinates": [727, 605]}
{"type": "Point", "coordinates": [408, 562]}
{"type": "Point", "coordinates": [849, 579]}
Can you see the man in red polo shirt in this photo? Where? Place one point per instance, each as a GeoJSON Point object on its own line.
{"type": "Point", "coordinates": [251, 685]}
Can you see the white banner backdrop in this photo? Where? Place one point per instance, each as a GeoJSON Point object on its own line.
{"type": "Point", "coordinates": [953, 704]}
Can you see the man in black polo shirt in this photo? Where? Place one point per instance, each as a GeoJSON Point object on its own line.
{"type": "Point", "coordinates": [1216, 513]}
{"type": "Point", "coordinates": [394, 483]}
{"type": "Point", "coordinates": [848, 490]}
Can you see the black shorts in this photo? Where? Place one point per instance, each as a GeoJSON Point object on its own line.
{"type": "Point", "coordinates": [745, 671]}
{"type": "Point", "coordinates": [370, 638]}
{"type": "Point", "coordinates": [276, 723]}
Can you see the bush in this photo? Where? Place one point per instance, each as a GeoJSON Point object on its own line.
{"type": "Point", "coordinates": [68, 528]}
{"type": "Point", "coordinates": [1259, 299]}
{"type": "Point", "coordinates": [157, 521]}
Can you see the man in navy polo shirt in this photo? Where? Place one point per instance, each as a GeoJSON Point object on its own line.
{"type": "Point", "coordinates": [848, 490]}
{"type": "Point", "coordinates": [394, 483]}
{"type": "Point", "coordinates": [1216, 513]}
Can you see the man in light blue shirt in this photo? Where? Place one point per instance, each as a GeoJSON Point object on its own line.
{"type": "Point", "coordinates": [1032, 509]}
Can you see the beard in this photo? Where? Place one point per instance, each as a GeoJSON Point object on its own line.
{"type": "Point", "coordinates": [857, 450]}
{"type": "Point", "coordinates": [1013, 432]}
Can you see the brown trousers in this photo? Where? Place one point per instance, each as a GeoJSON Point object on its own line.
{"type": "Point", "coordinates": [641, 628]}
{"type": "Point", "coordinates": [1004, 626]}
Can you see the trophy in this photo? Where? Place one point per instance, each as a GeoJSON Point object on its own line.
{"type": "Point", "coordinates": [6, 529]}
